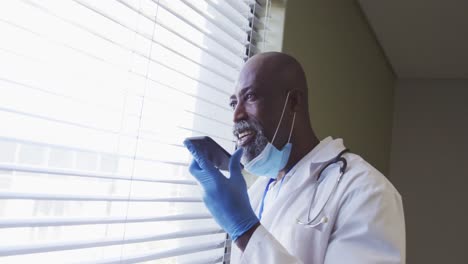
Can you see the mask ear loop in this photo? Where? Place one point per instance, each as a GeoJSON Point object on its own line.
{"type": "Point", "coordinates": [292, 127]}
{"type": "Point", "coordinates": [281, 119]}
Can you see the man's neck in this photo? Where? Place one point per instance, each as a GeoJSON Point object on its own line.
{"type": "Point", "coordinates": [298, 151]}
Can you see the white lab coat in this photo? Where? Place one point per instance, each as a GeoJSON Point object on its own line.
{"type": "Point", "coordinates": [365, 215]}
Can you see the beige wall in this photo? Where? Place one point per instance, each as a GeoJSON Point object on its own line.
{"type": "Point", "coordinates": [351, 84]}
{"type": "Point", "coordinates": [429, 166]}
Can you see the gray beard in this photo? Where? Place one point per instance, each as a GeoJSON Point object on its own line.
{"type": "Point", "coordinates": [252, 150]}
{"type": "Point", "coordinates": [259, 143]}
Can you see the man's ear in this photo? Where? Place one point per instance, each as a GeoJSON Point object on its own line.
{"type": "Point", "coordinates": [295, 99]}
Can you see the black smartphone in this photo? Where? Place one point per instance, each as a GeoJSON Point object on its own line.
{"type": "Point", "coordinates": [210, 149]}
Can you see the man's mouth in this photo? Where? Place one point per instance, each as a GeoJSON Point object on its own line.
{"type": "Point", "coordinates": [244, 137]}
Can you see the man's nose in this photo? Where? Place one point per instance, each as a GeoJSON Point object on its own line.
{"type": "Point", "coordinates": [239, 113]}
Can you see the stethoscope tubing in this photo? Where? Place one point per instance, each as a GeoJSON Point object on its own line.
{"type": "Point", "coordinates": [311, 222]}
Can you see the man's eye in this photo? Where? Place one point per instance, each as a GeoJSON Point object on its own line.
{"type": "Point", "coordinates": [233, 105]}
{"type": "Point", "coordinates": [250, 96]}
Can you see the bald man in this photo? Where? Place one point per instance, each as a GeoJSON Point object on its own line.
{"type": "Point", "coordinates": [314, 201]}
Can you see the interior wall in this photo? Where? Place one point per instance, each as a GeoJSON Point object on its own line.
{"type": "Point", "coordinates": [350, 82]}
{"type": "Point", "coordinates": [429, 166]}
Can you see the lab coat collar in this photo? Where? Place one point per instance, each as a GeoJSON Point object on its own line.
{"type": "Point", "coordinates": [305, 169]}
{"type": "Point", "coordinates": [324, 152]}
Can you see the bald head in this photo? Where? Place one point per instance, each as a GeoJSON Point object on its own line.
{"type": "Point", "coordinates": [279, 71]}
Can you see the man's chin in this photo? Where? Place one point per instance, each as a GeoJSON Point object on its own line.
{"type": "Point", "coordinates": [249, 153]}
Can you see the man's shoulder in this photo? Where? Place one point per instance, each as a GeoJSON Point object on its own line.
{"type": "Point", "coordinates": [361, 175]}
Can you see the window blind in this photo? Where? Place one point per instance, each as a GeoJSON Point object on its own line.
{"type": "Point", "coordinates": [95, 100]}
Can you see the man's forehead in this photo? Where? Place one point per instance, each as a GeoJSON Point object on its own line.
{"type": "Point", "coordinates": [242, 84]}
{"type": "Point", "coordinates": [256, 74]}
{"type": "Point", "coordinates": [242, 87]}
{"type": "Point", "coordinates": [248, 80]}
{"type": "Point", "coordinates": [247, 76]}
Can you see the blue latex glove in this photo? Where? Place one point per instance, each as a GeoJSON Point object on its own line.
{"type": "Point", "coordinates": [226, 199]}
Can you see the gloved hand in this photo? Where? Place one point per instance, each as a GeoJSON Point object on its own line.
{"type": "Point", "coordinates": [226, 199]}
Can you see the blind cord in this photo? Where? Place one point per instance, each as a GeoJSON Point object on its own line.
{"type": "Point", "coordinates": [139, 129]}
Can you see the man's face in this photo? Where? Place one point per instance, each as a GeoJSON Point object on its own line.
{"type": "Point", "coordinates": [255, 114]}
{"type": "Point", "coordinates": [250, 136]}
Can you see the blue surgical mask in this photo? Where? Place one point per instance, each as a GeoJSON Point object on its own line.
{"type": "Point", "coordinates": [271, 160]}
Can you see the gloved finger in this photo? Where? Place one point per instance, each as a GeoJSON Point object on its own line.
{"type": "Point", "coordinates": [204, 177]}
{"type": "Point", "coordinates": [235, 165]}
{"type": "Point", "coordinates": [194, 168]}
{"type": "Point", "coordinates": [197, 172]}
{"type": "Point", "coordinates": [203, 162]}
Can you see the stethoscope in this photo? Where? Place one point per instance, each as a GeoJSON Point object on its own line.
{"type": "Point", "coordinates": [312, 222]}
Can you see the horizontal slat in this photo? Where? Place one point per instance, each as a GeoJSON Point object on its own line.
{"type": "Point", "coordinates": [82, 150]}
{"type": "Point", "coordinates": [256, 37]}
{"type": "Point", "coordinates": [27, 99]}
{"type": "Point", "coordinates": [230, 13]}
{"type": "Point", "coordinates": [259, 23]}
{"type": "Point", "coordinates": [182, 250]}
{"type": "Point", "coordinates": [108, 131]}
{"type": "Point", "coordinates": [124, 47]}
{"type": "Point", "coordinates": [184, 115]}
{"type": "Point", "coordinates": [234, 45]}
{"type": "Point", "coordinates": [259, 9]}
{"type": "Point", "coordinates": [204, 114]}
{"type": "Point", "coordinates": [165, 83]}
{"type": "Point", "coordinates": [155, 41]}
{"type": "Point", "coordinates": [260, 2]}
{"type": "Point", "coordinates": [144, 134]}
{"type": "Point", "coordinates": [241, 7]}
{"type": "Point", "coordinates": [208, 134]}
{"type": "Point", "coordinates": [63, 96]}
{"type": "Point", "coordinates": [220, 56]}
{"type": "Point", "coordinates": [66, 122]}
{"type": "Point", "coordinates": [253, 49]}
{"type": "Point", "coordinates": [186, 75]}
{"type": "Point", "coordinates": [58, 52]}
{"type": "Point", "coordinates": [254, 13]}
{"type": "Point", "coordinates": [219, 20]}
{"type": "Point", "coordinates": [102, 198]}
{"type": "Point", "coordinates": [162, 23]}
{"type": "Point", "coordinates": [190, 94]}
{"type": "Point", "coordinates": [51, 66]}
{"type": "Point", "coordinates": [100, 129]}
{"type": "Point", "coordinates": [108, 176]}
{"type": "Point", "coordinates": [62, 221]}
{"type": "Point", "coordinates": [70, 245]}
{"type": "Point", "coordinates": [94, 152]}
{"type": "Point", "coordinates": [21, 125]}
{"type": "Point", "coordinates": [14, 98]}
{"type": "Point", "coordinates": [212, 260]}
{"type": "Point", "coordinates": [116, 110]}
